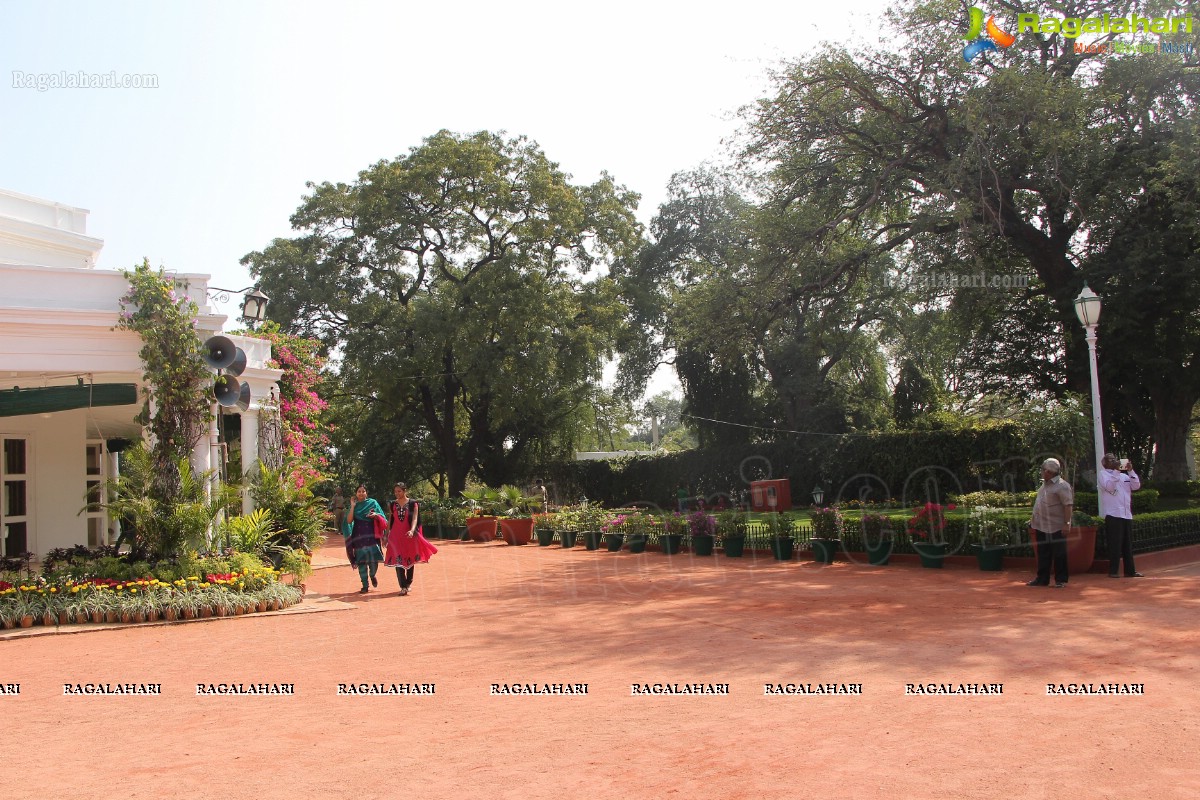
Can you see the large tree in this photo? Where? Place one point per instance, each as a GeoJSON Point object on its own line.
{"type": "Point", "coordinates": [465, 286]}
{"type": "Point", "coordinates": [770, 330]}
{"type": "Point", "coordinates": [1034, 152]}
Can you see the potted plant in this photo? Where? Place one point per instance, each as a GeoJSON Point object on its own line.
{"type": "Point", "coordinates": [483, 518]}
{"type": "Point", "coordinates": [639, 527]}
{"type": "Point", "coordinates": [926, 528]}
{"type": "Point", "coordinates": [544, 530]}
{"type": "Point", "coordinates": [703, 529]}
{"type": "Point", "coordinates": [566, 523]}
{"type": "Point", "coordinates": [1081, 542]}
{"type": "Point", "coordinates": [516, 524]}
{"type": "Point", "coordinates": [456, 523]}
{"type": "Point", "coordinates": [613, 529]}
{"type": "Point", "coordinates": [674, 526]}
{"type": "Point", "coordinates": [591, 517]}
{"type": "Point", "coordinates": [731, 528]}
{"type": "Point", "coordinates": [827, 533]}
{"type": "Point", "coordinates": [779, 530]}
{"type": "Point", "coordinates": [877, 538]}
{"type": "Point", "coordinates": [988, 533]}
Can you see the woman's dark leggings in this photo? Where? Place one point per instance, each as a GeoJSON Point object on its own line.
{"type": "Point", "coordinates": [405, 576]}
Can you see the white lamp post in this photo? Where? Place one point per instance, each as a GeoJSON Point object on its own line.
{"type": "Point", "coordinates": [1087, 308]}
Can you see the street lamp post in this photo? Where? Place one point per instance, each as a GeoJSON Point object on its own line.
{"type": "Point", "coordinates": [1087, 308]}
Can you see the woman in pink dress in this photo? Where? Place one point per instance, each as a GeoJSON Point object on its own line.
{"type": "Point", "coordinates": [406, 544]}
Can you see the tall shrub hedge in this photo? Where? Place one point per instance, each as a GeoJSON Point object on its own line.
{"type": "Point", "coordinates": [909, 467]}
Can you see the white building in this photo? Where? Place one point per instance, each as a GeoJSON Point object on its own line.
{"type": "Point", "coordinates": [71, 385]}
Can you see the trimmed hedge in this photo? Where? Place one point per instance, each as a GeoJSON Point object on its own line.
{"type": "Point", "coordinates": [910, 466]}
{"type": "Point", "coordinates": [1173, 488]}
{"type": "Point", "coordinates": [1145, 501]}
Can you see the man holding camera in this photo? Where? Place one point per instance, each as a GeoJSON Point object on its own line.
{"type": "Point", "coordinates": [1118, 482]}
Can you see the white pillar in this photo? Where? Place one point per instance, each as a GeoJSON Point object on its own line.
{"type": "Point", "coordinates": [114, 473]}
{"type": "Point", "coordinates": [214, 445]}
{"type": "Point", "coordinates": [249, 453]}
{"type": "Point", "coordinates": [202, 455]}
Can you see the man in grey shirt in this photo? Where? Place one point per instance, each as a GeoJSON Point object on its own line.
{"type": "Point", "coordinates": [1052, 524]}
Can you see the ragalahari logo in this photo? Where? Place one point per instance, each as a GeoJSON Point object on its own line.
{"type": "Point", "coordinates": [981, 44]}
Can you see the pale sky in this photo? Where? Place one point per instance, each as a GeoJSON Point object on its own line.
{"type": "Point", "coordinates": [255, 98]}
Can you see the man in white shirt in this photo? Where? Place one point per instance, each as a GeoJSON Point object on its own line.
{"type": "Point", "coordinates": [1118, 481]}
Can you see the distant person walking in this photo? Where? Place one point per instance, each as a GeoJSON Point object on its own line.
{"type": "Point", "coordinates": [337, 504]}
{"type": "Point", "coordinates": [1051, 525]}
{"type": "Point", "coordinates": [363, 529]}
{"type": "Point", "coordinates": [406, 544]}
{"type": "Point", "coordinates": [1118, 481]}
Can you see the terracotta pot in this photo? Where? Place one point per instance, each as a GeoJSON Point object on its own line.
{"type": "Point", "coordinates": [262, 606]}
{"type": "Point", "coordinates": [110, 617]}
{"type": "Point", "coordinates": [64, 618]}
{"type": "Point", "coordinates": [97, 616]}
{"type": "Point", "coordinates": [189, 613]}
{"type": "Point", "coordinates": [27, 622]}
{"type": "Point", "coordinates": [207, 612]}
{"type": "Point", "coordinates": [481, 529]}
{"type": "Point", "coordinates": [48, 619]}
{"type": "Point", "coordinates": [1081, 549]}
{"type": "Point", "coordinates": [517, 531]}
{"type": "Point", "coordinates": [170, 615]}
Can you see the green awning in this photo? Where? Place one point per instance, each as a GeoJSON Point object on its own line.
{"type": "Point", "coordinates": [16, 401]}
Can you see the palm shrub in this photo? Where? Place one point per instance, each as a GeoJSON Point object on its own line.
{"type": "Point", "coordinates": [163, 528]}
{"type": "Point", "coordinates": [297, 515]}
{"type": "Point", "coordinates": [249, 533]}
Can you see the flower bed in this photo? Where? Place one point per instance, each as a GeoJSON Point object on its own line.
{"type": "Point", "coordinates": [62, 601]}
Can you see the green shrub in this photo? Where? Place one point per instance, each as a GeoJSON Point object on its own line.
{"type": "Point", "coordinates": [297, 516]}
{"type": "Point", "coordinates": [1173, 488]}
{"type": "Point", "coordinates": [995, 499]}
{"type": "Point", "coordinates": [1145, 501]}
{"type": "Point", "coordinates": [1160, 516]}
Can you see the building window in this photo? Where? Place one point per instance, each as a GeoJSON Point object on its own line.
{"type": "Point", "coordinates": [14, 498]}
{"type": "Point", "coordinates": [97, 518]}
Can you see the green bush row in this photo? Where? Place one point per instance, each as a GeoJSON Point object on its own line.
{"type": "Point", "coordinates": [1174, 488]}
{"type": "Point", "coordinates": [1145, 501]}
{"type": "Point", "coordinates": [910, 467]}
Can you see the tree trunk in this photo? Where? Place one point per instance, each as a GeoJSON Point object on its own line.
{"type": "Point", "coordinates": [1172, 428]}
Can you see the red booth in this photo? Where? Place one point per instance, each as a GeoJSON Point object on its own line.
{"type": "Point", "coordinates": [771, 495]}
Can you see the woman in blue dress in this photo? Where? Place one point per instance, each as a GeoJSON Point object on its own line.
{"type": "Point", "coordinates": [362, 530]}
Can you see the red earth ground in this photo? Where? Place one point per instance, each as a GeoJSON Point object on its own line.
{"type": "Point", "coordinates": [483, 614]}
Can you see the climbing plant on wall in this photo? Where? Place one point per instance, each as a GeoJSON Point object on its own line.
{"type": "Point", "coordinates": [177, 406]}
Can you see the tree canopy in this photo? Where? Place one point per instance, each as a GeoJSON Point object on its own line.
{"type": "Point", "coordinates": [465, 285]}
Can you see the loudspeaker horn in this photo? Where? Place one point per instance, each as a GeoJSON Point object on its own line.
{"type": "Point", "coordinates": [238, 365]}
{"type": "Point", "coordinates": [221, 351]}
{"type": "Point", "coordinates": [228, 390]}
{"type": "Point", "coordinates": [243, 401]}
